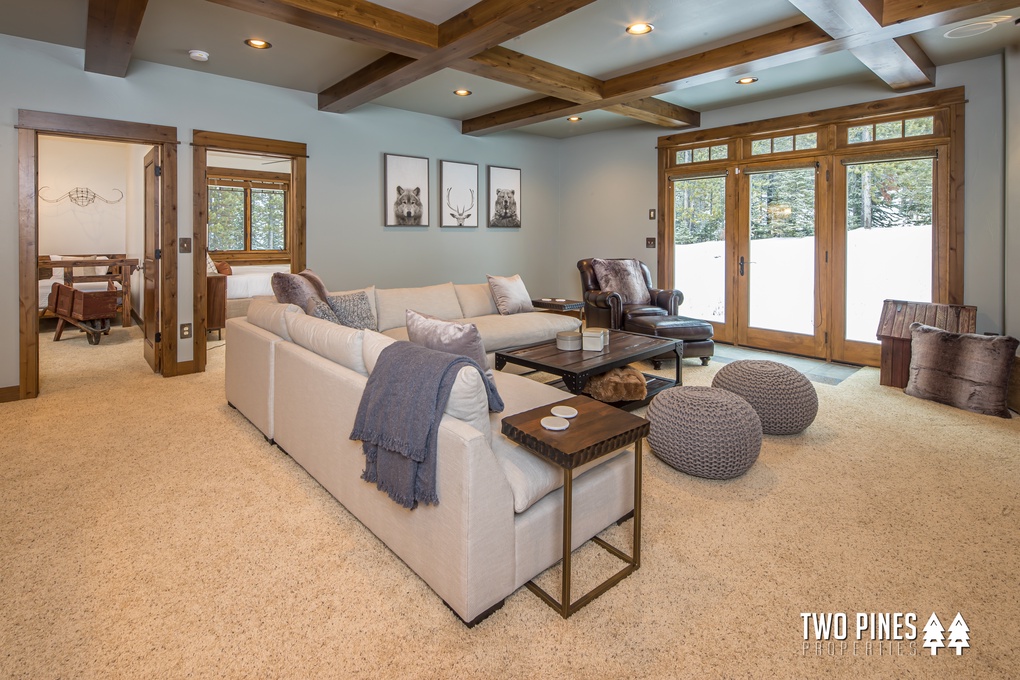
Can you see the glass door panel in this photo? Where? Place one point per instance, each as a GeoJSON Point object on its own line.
{"type": "Point", "coordinates": [699, 237]}
{"type": "Point", "coordinates": [780, 265]}
{"type": "Point", "coordinates": [889, 209]}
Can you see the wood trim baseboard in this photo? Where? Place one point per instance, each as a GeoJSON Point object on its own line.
{"type": "Point", "coordinates": [12, 393]}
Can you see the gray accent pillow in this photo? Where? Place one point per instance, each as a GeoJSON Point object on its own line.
{"type": "Point", "coordinates": [317, 284]}
{"type": "Point", "coordinates": [624, 277]}
{"type": "Point", "coordinates": [964, 370]}
{"type": "Point", "coordinates": [293, 289]}
{"type": "Point", "coordinates": [449, 336]}
{"type": "Point", "coordinates": [320, 310]}
{"type": "Point", "coordinates": [352, 309]}
{"type": "Point", "coordinates": [510, 294]}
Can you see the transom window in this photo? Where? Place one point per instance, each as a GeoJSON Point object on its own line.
{"type": "Point", "coordinates": [702, 154]}
{"type": "Point", "coordinates": [784, 143]}
{"type": "Point", "coordinates": [891, 129]}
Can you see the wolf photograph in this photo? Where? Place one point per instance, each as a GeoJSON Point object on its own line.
{"type": "Point", "coordinates": [406, 196]}
{"type": "Point", "coordinates": [504, 197]}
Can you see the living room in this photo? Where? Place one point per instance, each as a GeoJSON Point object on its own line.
{"type": "Point", "coordinates": [584, 195]}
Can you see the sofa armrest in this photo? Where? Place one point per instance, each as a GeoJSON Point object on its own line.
{"type": "Point", "coordinates": [668, 299]}
{"type": "Point", "coordinates": [603, 308]}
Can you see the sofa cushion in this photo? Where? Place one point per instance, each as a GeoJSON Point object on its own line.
{"type": "Point", "coordinates": [321, 310]}
{"type": "Point", "coordinates": [964, 370]}
{"type": "Point", "coordinates": [352, 309]}
{"type": "Point", "coordinates": [624, 277]}
{"type": "Point", "coordinates": [531, 478]}
{"type": "Point", "coordinates": [339, 344]}
{"type": "Point", "coordinates": [510, 294]}
{"type": "Point", "coordinates": [448, 336]}
{"type": "Point", "coordinates": [392, 304]}
{"type": "Point", "coordinates": [317, 284]}
{"type": "Point", "coordinates": [500, 332]}
{"type": "Point", "coordinates": [270, 315]}
{"type": "Point", "coordinates": [370, 292]}
{"type": "Point", "coordinates": [293, 289]}
{"type": "Point", "coordinates": [475, 299]}
{"type": "Point", "coordinates": [372, 345]}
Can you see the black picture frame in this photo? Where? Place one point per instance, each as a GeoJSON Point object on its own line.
{"type": "Point", "coordinates": [405, 191]}
{"type": "Point", "coordinates": [458, 187]}
{"type": "Point", "coordinates": [504, 194]}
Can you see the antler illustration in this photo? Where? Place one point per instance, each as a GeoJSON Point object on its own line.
{"type": "Point", "coordinates": [460, 214]}
{"type": "Point", "coordinates": [80, 196]}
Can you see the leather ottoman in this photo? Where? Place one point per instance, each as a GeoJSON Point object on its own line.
{"type": "Point", "coordinates": [696, 334]}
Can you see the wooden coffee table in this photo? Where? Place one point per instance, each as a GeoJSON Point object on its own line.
{"type": "Point", "coordinates": [575, 367]}
{"type": "Point", "coordinates": [597, 430]}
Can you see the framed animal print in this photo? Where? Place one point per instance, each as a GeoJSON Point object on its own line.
{"type": "Point", "coordinates": [504, 197]}
{"type": "Point", "coordinates": [406, 191]}
{"type": "Point", "coordinates": [458, 194]}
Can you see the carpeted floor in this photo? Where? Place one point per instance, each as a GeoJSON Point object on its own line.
{"type": "Point", "coordinates": [147, 530]}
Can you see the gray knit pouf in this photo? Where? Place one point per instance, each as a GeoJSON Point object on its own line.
{"type": "Point", "coordinates": [704, 431]}
{"type": "Point", "coordinates": [782, 396]}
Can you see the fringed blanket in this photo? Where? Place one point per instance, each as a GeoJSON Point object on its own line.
{"type": "Point", "coordinates": [399, 415]}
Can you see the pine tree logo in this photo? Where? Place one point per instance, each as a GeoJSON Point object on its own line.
{"type": "Point", "coordinates": [933, 634]}
{"type": "Point", "coordinates": [959, 634]}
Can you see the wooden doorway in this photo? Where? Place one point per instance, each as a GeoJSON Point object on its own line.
{"type": "Point", "coordinates": [151, 261]}
{"type": "Point", "coordinates": [32, 124]}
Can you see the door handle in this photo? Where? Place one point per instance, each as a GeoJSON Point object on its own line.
{"type": "Point", "coordinates": [741, 265]}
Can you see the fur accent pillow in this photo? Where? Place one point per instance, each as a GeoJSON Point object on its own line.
{"type": "Point", "coordinates": [624, 277]}
{"type": "Point", "coordinates": [964, 370]}
{"type": "Point", "coordinates": [292, 289]}
{"type": "Point", "coordinates": [449, 336]}
{"type": "Point", "coordinates": [625, 383]}
{"type": "Point", "coordinates": [352, 309]}
{"type": "Point", "coordinates": [321, 310]}
{"type": "Point", "coordinates": [510, 294]}
{"type": "Point", "coordinates": [317, 284]}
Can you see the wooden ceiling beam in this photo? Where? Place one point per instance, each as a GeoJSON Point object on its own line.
{"type": "Point", "coordinates": [659, 112]}
{"type": "Point", "coordinates": [900, 62]}
{"type": "Point", "coordinates": [361, 22]}
{"type": "Point", "coordinates": [110, 35]}
{"type": "Point", "coordinates": [482, 26]}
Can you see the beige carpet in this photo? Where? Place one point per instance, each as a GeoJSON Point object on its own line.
{"type": "Point", "coordinates": [149, 531]}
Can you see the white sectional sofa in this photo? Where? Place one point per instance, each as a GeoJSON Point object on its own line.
{"type": "Point", "coordinates": [498, 523]}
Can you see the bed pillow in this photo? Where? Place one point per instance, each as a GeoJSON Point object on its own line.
{"type": "Point", "coordinates": [964, 370]}
{"type": "Point", "coordinates": [510, 294]}
{"type": "Point", "coordinates": [624, 277]}
{"type": "Point", "coordinates": [210, 266]}
{"type": "Point", "coordinates": [293, 289]}
{"type": "Point", "coordinates": [224, 268]}
{"type": "Point", "coordinates": [352, 309]}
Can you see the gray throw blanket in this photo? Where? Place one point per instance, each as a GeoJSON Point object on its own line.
{"type": "Point", "coordinates": [399, 415]}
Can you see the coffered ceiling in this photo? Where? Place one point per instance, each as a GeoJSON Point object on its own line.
{"type": "Point", "coordinates": [531, 63]}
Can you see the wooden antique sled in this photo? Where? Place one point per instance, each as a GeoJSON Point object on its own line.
{"type": "Point", "coordinates": [91, 311]}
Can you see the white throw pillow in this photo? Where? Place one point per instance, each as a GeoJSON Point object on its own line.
{"type": "Point", "coordinates": [510, 294]}
{"type": "Point", "coordinates": [210, 266]}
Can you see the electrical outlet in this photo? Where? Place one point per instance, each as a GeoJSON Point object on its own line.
{"type": "Point", "coordinates": [185, 246]}
{"type": "Point", "coordinates": [185, 331]}
{"type": "Point", "coordinates": [650, 242]}
{"type": "Point", "coordinates": [651, 213]}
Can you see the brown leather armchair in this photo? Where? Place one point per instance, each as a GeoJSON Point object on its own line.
{"type": "Point", "coordinates": [605, 308]}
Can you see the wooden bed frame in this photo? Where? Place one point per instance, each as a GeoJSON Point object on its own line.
{"type": "Point", "coordinates": [120, 268]}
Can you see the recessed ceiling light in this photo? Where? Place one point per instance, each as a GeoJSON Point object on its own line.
{"type": "Point", "coordinates": [970, 30]}
{"type": "Point", "coordinates": [462, 93]}
{"type": "Point", "coordinates": [747, 80]}
{"type": "Point", "coordinates": [640, 28]}
{"type": "Point", "coordinates": [198, 55]}
{"type": "Point", "coordinates": [257, 43]}
{"type": "Point", "coordinates": [574, 119]}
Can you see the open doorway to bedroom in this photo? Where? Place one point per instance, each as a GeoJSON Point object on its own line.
{"type": "Point", "coordinates": [249, 223]}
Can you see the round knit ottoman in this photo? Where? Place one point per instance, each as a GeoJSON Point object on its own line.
{"type": "Point", "coordinates": [783, 398]}
{"type": "Point", "coordinates": [704, 431]}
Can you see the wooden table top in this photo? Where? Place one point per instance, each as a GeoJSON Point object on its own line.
{"type": "Point", "coordinates": [623, 348]}
{"type": "Point", "coordinates": [597, 430]}
{"type": "Point", "coordinates": [558, 304]}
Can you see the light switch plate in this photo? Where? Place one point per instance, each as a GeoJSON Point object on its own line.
{"type": "Point", "coordinates": [651, 213]}
{"type": "Point", "coordinates": [185, 245]}
{"type": "Point", "coordinates": [650, 242]}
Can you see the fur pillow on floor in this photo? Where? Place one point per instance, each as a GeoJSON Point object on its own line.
{"type": "Point", "coordinates": [964, 370]}
{"type": "Point", "coordinates": [620, 384]}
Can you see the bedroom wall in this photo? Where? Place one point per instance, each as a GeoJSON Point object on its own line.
{"type": "Point", "coordinates": [346, 241]}
{"type": "Point", "coordinates": [609, 182]}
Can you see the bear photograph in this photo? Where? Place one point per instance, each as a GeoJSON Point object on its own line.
{"type": "Point", "coordinates": [406, 191]}
{"type": "Point", "coordinates": [504, 197]}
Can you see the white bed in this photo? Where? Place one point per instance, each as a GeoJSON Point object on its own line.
{"type": "Point", "coordinates": [247, 282]}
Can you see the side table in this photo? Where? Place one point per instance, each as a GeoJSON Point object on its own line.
{"type": "Point", "coordinates": [597, 430]}
{"type": "Point", "coordinates": [561, 306]}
